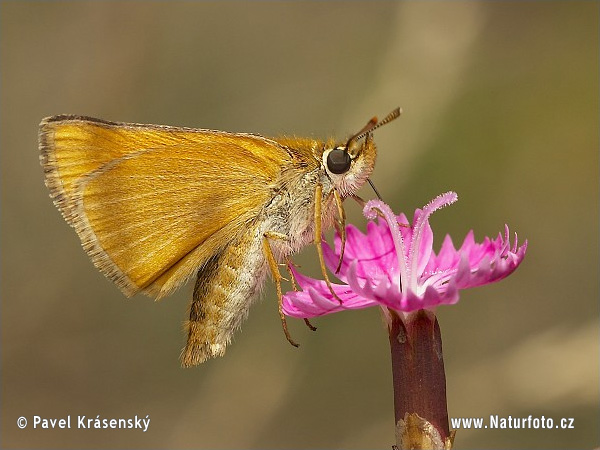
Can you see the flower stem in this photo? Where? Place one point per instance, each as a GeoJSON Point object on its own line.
{"type": "Point", "coordinates": [419, 381]}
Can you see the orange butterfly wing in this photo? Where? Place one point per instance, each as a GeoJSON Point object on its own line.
{"type": "Point", "coordinates": [151, 204]}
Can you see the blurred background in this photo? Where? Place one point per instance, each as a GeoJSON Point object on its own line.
{"type": "Point", "coordinates": [500, 105]}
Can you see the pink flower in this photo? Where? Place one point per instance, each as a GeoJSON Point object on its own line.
{"type": "Point", "coordinates": [395, 266]}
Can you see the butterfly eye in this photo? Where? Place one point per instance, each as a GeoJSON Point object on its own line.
{"type": "Point", "coordinates": [338, 161]}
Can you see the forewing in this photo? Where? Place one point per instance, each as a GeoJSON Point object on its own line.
{"type": "Point", "coordinates": [151, 204]}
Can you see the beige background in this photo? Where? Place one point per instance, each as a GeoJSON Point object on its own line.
{"type": "Point", "coordinates": [501, 105]}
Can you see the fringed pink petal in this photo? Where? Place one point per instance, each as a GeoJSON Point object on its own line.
{"type": "Point", "coordinates": [375, 255]}
{"type": "Point", "coordinates": [395, 266]}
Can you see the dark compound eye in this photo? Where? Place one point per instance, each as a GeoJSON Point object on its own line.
{"type": "Point", "coordinates": [338, 161]}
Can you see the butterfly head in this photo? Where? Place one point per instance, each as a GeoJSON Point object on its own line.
{"type": "Point", "coordinates": [350, 164]}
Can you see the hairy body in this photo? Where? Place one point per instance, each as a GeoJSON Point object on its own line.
{"type": "Point", "coordinates": [153, 205]}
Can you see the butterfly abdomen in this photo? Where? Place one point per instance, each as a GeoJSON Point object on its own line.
{"type": "Point", "coordinates": [226, 286]}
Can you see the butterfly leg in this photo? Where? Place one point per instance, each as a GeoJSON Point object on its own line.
{"type": "Point", "coordinates": [318, 238]}
{"type": "Point", "coordinates": [340, 226]}
{"type": "Point", "coordinates": [288, 265]}
{"type": "Point", "coordinates": [310, 325]}
{"type": "Point", "coordinates": [274, 267]}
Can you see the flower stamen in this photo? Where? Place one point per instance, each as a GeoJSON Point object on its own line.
{"type": "Point", "coordinates": [370, 212]}
{"type": "Point", "coordinates": [439, 202]}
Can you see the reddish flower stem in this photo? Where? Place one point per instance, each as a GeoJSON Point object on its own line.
{"type": "Point", "coordinates": [418, 370]}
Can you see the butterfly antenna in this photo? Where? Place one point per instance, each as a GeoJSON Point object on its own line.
{"type": "Point", "coordinates": [372, 125]}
